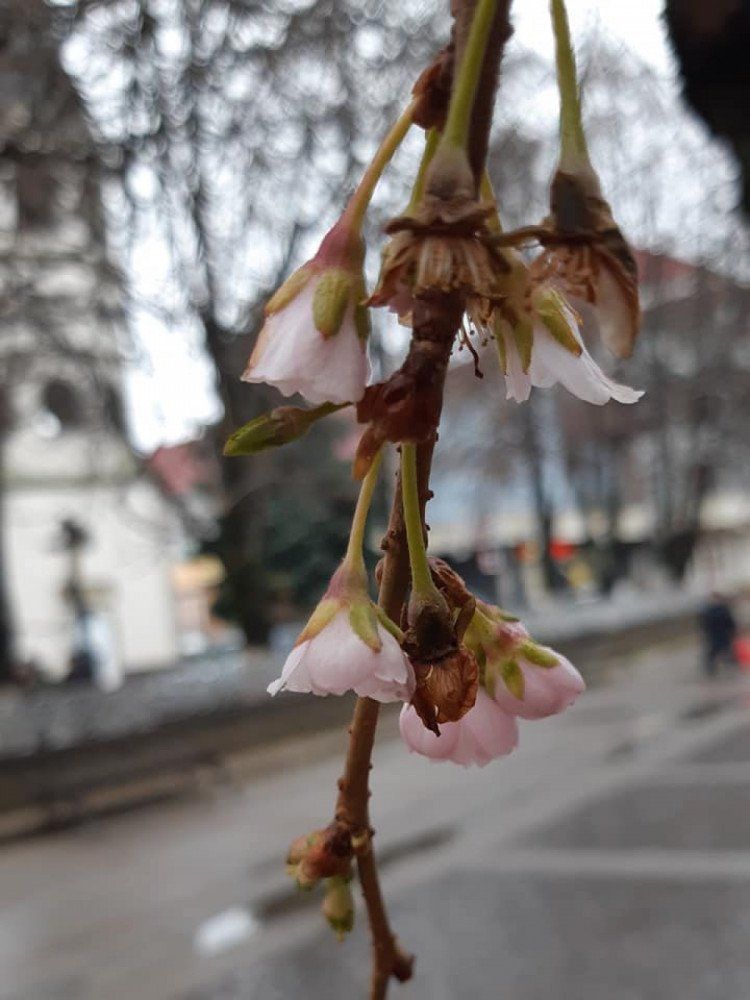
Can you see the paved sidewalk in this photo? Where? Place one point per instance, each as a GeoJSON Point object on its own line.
{"type": "Point", "coordinates": [609, 856]}
{"type": "Point", "coordinates": [68, 715]}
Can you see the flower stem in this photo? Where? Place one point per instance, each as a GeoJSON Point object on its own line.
{"type": "Point", "coordinates": [355, 549]}
{"type": "Point", "coordinates": [573, 148]}
{"type": "Point", "coordinates": [421, 576]}
{"type": "Point", "coordinates": [360, 200]}
{"type": "Point", "coordinates": [432, 141]}
{"type": "Point", "coordinates": [456, 132]}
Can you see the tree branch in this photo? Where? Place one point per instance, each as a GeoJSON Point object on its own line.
{"type": "Point", "coordinates": [436, 319]}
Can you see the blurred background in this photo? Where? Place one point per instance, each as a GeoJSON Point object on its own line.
{"type": "Point", "coordinates": [164, 164]}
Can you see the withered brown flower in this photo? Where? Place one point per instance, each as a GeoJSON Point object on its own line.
{"type": "Point", "coordinates": [585, 254]}
{"type": "Point", "coordinates": [446, 688]}
{"type": "Point", "coordinates": [443, 245]}
{"type": "Point", "coordinates": [432, 91]}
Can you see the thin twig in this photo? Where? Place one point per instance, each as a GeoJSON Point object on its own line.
{"type": "Point", "coordinates": [354, 793]}
{"type": "Point", "coordinates": [436, 320]}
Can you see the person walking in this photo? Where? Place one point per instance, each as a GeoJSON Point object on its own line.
{"type": "Point", "coordinates": [719, 629]}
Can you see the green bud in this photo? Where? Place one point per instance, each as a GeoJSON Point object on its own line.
{"type": "Point", "coordinates": [364, 623]}
{"type": "Point", "coordinates": [332, 297]}
{"type": "Point", "coordinates": [279, 426]}
{"type": "Point", "coordinates": [551, 309]}
{"type": "Point", "coordinates": [338, 905]}
{"type": "Point", "coordinates": [289, 290]}
{"type": "Point", "coordinates": [538, 655]}
{"type": "Point", "coordinates": [513, 678]}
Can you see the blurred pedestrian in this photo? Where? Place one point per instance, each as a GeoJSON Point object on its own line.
{"type": "Point", "coordinates": [719, 628]}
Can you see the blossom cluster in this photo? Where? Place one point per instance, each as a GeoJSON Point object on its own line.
{"type": "Point", "coordinates": [348, 645]}
{"type": "Point", "coordinates": [464, 671]}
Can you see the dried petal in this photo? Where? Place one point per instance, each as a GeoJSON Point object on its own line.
{"type": "Point", "coordinates": [447, 688]}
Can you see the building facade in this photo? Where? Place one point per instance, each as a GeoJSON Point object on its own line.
{"type": "Point", "coordinates": [87, 539]}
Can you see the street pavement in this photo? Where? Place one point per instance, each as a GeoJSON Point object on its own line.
{"type": "Point", "coordinates": [608, 856]}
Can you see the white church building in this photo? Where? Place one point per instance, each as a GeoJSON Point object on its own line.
{"type": "Point", "coordinates": [66, 464]}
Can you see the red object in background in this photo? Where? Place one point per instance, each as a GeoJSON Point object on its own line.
{"type": "Point", "coordinates": [560, 550]}
{"type": "Point", "coordinates": [741, 651]}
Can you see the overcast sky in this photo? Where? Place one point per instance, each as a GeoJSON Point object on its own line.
{"type": "Point", "coordinates": [170, 393]}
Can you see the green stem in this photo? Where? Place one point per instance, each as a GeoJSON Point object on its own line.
{"type": "Point", "coordinates": [456, 131]}
{"type": "Point", "coordinates": [431, 143]}
{"type": "Point", "coordinates": [421, 576]}
{"type": "Point", "coordinates": [573, 147]}
{"type": "Point", "coordinates": [360, 200]}
{"type": "Point", "coordinates": [355, 549]}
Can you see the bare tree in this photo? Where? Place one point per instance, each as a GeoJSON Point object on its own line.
{"type": "Point", "coordinates": [208, 110]}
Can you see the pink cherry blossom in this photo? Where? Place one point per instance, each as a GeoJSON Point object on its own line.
{"type": "Point", "coordinates": [485, 732]}
{"type": "Point", "coordinates": [336, 660]}
{"type": "Point", "coordinates": [547, 690]}
{"type": "Point", "coordinates": [292, 355]}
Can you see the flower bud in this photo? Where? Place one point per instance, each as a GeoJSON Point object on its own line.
{"type": "Point", "coordinates": [314, 337]}
{"type": "Point", "coordinates": [525, 678]}
{"type": "Point", "coordinates": [321, 854]}
{"type": "Point", "coordinates": [338, 905]}
{"type": "Point", "coordinates": [348, 644]}
{"type": "Point", "coordinates": [279, 426]}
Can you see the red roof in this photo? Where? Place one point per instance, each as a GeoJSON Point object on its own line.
{"type": "Point", "coordinates": [660, 267]}
{"type": "Point", "coordinates": [181, 468]}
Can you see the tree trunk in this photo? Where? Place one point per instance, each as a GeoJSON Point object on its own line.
{"type": "Point", "coordinates": [244, 488]}
{"type": "Point", "coordinates": [542, 506]}
{"type": "Point", "coordinates": [7, 645]}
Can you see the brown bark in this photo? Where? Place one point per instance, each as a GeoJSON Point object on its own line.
{"type": "Point", "coordinates": [481, 119]}
{"type": "Point", "coordinates": [436, 320]}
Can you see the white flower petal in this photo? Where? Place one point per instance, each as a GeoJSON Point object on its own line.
{"type": "Point", "coordinates": [517, 381]}
{"type": "Point", "coordinates": [336, 660]}
{"type": "Point", "coordinates": [421, 740]}
{"type": "Point", "coordinates": [293, 676]}
{"type": "Point", "coordinates": [581, 375]}
{"type": "Point", "coordinates": [552, 363]}
{"type": "Point", "coordinates": [391, 676]}
{"type": "Point", "coordinates": [293, 356]}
